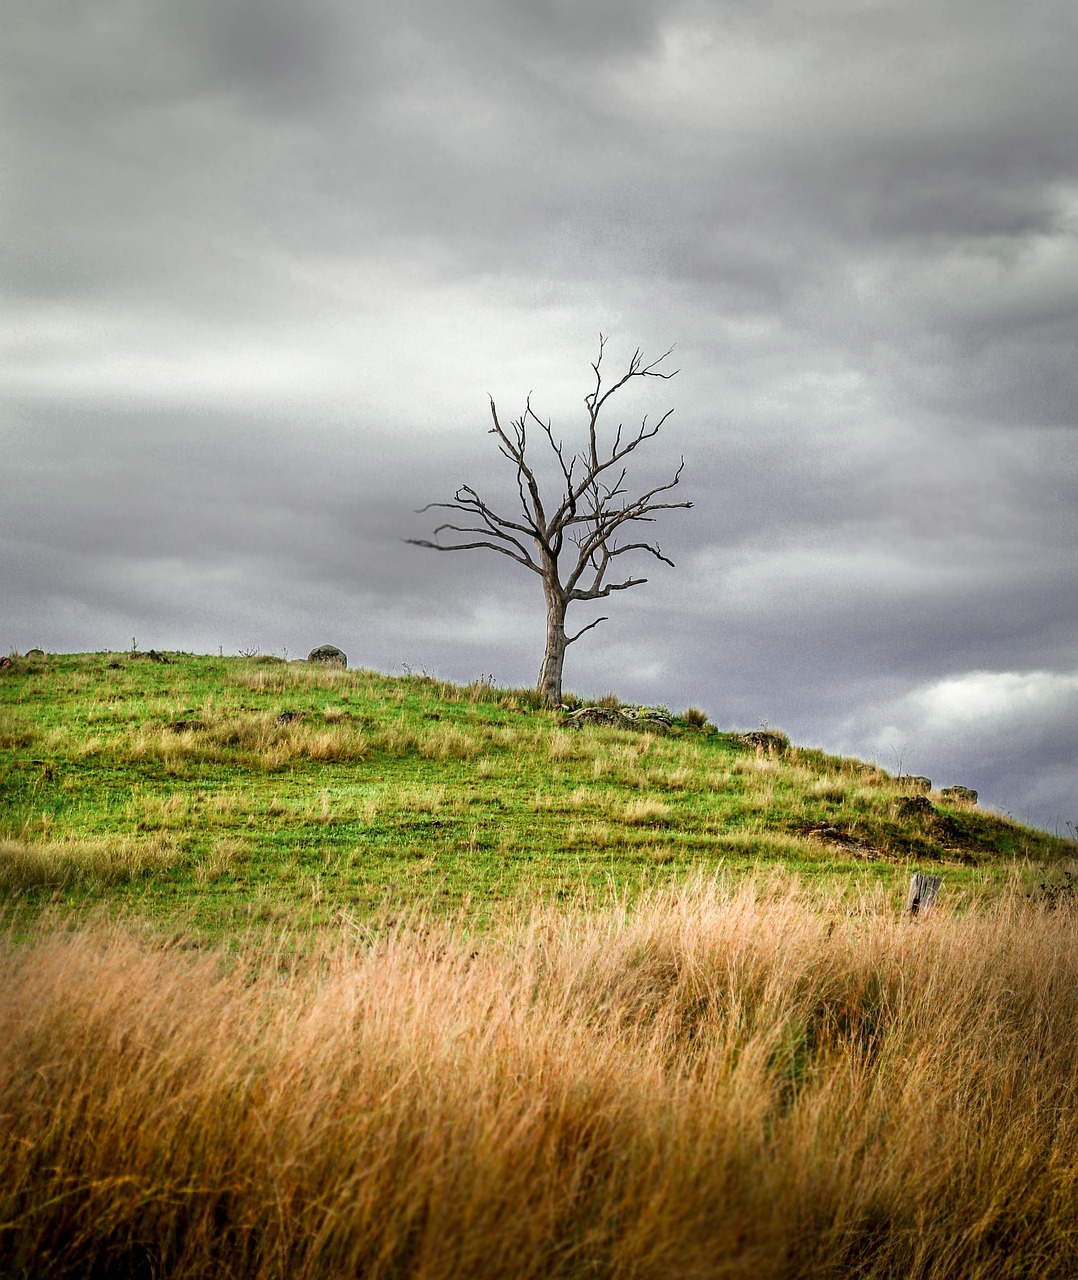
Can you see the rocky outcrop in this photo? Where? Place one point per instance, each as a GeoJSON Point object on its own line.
{"type": "Point", "coordinates": [654, 718]}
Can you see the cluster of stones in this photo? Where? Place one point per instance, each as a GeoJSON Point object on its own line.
{"type": "Point", "coordinates": [957, 795]}
{"type": "Point", "coordinates": [9, 659]}
{"type": "Point", "coordinates": [621, 717]}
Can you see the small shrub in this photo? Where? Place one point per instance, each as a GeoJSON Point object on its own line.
{"type": "Point", "coordinates": [1057, 891]}
{"type": "Point", "coordinates": [695, 718]}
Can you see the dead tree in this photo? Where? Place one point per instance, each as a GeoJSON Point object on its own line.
{"type": "Point", "coordinates": [572, 534]}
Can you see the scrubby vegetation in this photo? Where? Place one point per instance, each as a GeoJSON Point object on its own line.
{"type": "Point", "coordinates": [320, 973]}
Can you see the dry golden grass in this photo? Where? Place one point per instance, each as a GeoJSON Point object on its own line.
{"type": "Point", "coordinates": [446, 742]}
{"type": "Point", "coordinates": [645, 812]}
{"type": "Point", "coordinates": [34, 863]}
{"type": "Point", "coordinates": [279, 677]}
{"type": "Point", "coordinates": [719, 1083]}
{"type": "Point", "coordinates": [220, 737]}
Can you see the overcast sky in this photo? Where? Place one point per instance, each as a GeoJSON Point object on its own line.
{"type": "Point", "coordinates": [261, 263]}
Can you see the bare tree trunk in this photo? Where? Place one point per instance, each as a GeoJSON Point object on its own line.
{"type": "Point", "coordinates": [554, 657]}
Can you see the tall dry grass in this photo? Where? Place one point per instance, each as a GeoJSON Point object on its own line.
{"type": "Point", "coordinates": [719, 1083]}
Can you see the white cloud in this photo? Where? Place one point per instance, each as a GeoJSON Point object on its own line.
{"type": "Point", "coordinates": [984, 697]}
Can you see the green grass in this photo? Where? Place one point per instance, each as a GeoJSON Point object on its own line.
{"type": "Point", "coordinates": [171, 790]}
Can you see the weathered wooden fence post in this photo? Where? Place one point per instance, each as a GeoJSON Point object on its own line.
{"type": "Point", "coordinates": [924, 890]}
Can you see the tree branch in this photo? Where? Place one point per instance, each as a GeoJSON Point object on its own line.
{"type": "Point", "coordinates": [600, 593]}
{"type": "Point", "coordinates": [525, 475]}
{"type": "Point", "coordinates": [474, 546]}
{"type": "Point", "coordinates": [569, 639]}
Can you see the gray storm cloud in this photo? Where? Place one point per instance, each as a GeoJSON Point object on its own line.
{"type": "Point", "coordinates": [263, 264]}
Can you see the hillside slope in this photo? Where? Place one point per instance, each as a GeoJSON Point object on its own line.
{"type": "Point", "coordinates": [232, 789]}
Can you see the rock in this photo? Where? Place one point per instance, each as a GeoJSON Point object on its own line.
{"type": "Point", "coordinates": [185, 726]}
{"type": "Point", "coordinates": [769, 740]}
{"type": "Point", "coordinates": [909, 806]}
{"type": "Point", "coordinates": [959, 795]}
{"type": "Point", "coordinates": [914, 782]}
{"type": "Point", "coordinates": [286, 717]}
{"type": "Point", "coordinates": [5, 662]}
{"type": "Point", "coordinates": [647, 717]}
{"type": "Point", "coordinates": [654, 718]}
{"type": "Point", "coordinates": [593, 715]}
{"type": "Point", "coordinates": [329, 654]}
{"type": "Point", "coordinates": [35, 653]}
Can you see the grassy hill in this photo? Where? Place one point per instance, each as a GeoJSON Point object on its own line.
{"type": "Point", "coordinates": [222, 790]}
{"type": "Point", "coordinates": [322, 974]}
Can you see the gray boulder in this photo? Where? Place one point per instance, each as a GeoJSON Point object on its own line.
{"type": "Point", "coordinates": [328, 654]}
{"type": "Point", "coordinates": [773, 742]}
{"type": "Point", "coordinates": [959, 795]}
{"type": "Point", "coordinates": [915, 782]}
{"type": "Point", "coordinates": [653, 718]}
{"type": "Point", "coordinates": [914, 806]}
